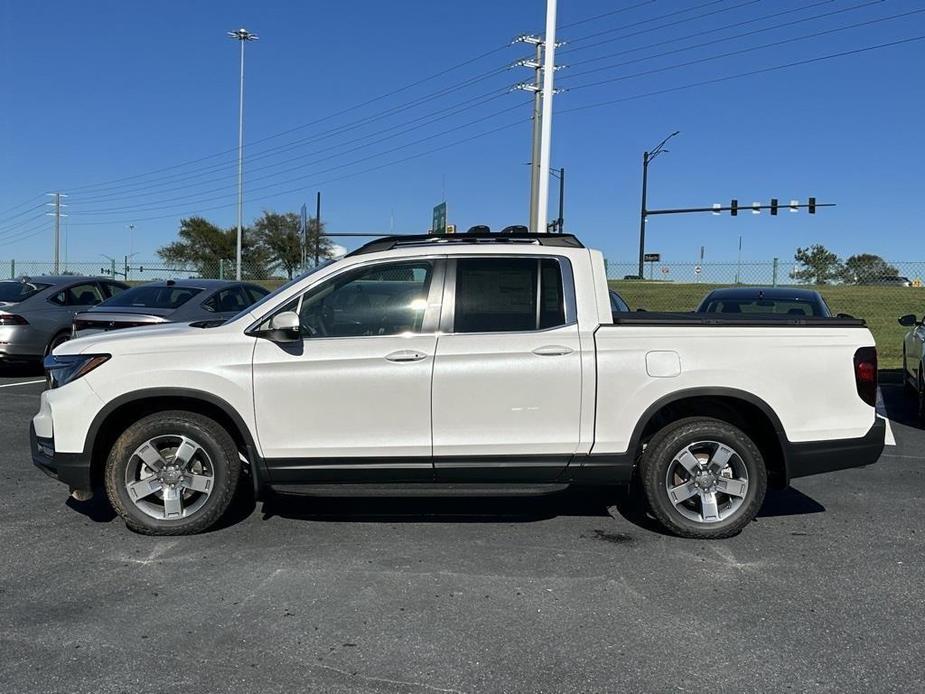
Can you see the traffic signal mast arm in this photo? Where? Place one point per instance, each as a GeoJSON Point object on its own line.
{"type": "Point", "coordinates": [736, 208]}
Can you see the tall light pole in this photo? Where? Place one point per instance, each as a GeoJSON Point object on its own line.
{"type": "Point", "coordinates": [647, 158]}
{"type": "Point", "coordinates": [243, 36]}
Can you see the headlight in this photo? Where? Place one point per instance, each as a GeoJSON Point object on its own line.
{"type": "Point", "coordinates": [62, 370]}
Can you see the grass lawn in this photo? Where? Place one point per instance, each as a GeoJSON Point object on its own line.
{"type": "Point", "coordinates": [879, 306]}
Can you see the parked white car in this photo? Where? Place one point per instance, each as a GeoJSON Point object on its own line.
{"type": "Point", "coordinates": [473, 364]}
{"type": "Point", "coordinates": [914, 360]}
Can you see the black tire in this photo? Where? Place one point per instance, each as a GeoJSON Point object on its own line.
{"type": "Point", "coordinates": [659, 456]}
{"type": "Point", "coordinates": [216, 443]}
{"type": "Point", "coordinates": [58, 339]}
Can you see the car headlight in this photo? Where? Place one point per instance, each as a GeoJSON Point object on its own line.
{"type": "Point", "coordinates": [61, 370]}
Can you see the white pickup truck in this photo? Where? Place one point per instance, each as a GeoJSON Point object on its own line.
{"type": "Point", "coordinates": [475, 365]}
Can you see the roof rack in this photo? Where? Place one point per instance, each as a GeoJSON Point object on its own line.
{"type": "Point", "coordinates": [389, 242]}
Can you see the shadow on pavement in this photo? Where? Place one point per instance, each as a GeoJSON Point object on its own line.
{"type": "Point", "coordinates": [788, 502]}
{"type": "Point", "coordinates": [21, 370]}
{"type": "Point", "coordinates": [895, 403]}
{"type": "Point", "coordinates": [434, 510]}
{"type": "Point", "coordinates": [96, 509]}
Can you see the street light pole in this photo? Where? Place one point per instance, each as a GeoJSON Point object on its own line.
{"type": "Point", "coordinates": [647, 158]}
{"type": "Point", "coordinates": [242, 35]}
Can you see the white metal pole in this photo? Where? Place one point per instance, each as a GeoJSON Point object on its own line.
{"type": "Point", "coordinates": [240, 166]}
{"type": "Point", "coordinates": [549, 71]}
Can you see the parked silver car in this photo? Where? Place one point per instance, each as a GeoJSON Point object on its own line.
{"type": "Point", "coordinates": [169, 301]}
{"type": "Point", "coordinates": [36, 313]}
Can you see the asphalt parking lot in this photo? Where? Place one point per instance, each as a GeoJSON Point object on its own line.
{"type": "Point", "coordinates": [823, 592]}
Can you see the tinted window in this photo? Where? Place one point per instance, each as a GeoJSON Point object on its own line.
{"type": "Point", "coordinates": [149, 296]}
{"type": "Point", "coordinates": [617, 304]}
{"type": "Point", "coordinates": [386, 299]}
{"type": "Point", "coordinates": [793, 307]}
{"type": "Point", "coordinates": [508, 294]}
{"type": "Point", "coordinates": [88, 294]}
{"type": "Point", "coordinates": [255, 293]}
{"type": "Point", "coordinates": [112, 289]}
{"type": "Point", "coordinates": [14, 291]}
{"type": "Point", "coordinates": [230, 300]}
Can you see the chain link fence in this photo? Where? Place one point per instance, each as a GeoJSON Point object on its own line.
{"type": "Point", "coordinates": [879, 293]}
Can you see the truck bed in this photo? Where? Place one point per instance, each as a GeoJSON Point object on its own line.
{"type": "Point", "coordinates": [735, 320]}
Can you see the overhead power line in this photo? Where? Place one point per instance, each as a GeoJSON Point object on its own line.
{"type": "Point", "coordinates": [452, 110]}
{"type": "Point", "coordinates": [733, 25]}
{"type": "Point", "coordinates": [571, 48]}
{"type": "Point", "coordinates": [742, 75]}
{"type": "Point", "coordinates": [308, 124]}
{"type": "Point", "coordinates": [729, 54]}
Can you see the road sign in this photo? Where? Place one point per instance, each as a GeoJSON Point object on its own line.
{"type": "Point", "coordinates": [698, 269]}
{"type": "Point", "coordinates": [451, 228]}
{"type": "Point", "coordinates": [439, 224]}
{"type": "Point", "coordinates": [652, 257]}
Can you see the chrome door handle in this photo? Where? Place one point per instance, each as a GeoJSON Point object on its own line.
{"type": "Point", "coordinates": [552, 351]}
{"type": "Point", "coordinates": [403, 355]}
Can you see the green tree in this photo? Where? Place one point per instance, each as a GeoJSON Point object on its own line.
{"type": "Point", "coordinates": [201, 246]}
{"type": "Point", "coordinates": [866, 266]}
{"type": "Point", "coordinates": [278, 233]}
{"type": "Point", "coordinates": [819, 265]}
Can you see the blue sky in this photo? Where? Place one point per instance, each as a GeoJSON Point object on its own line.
{"type": "Point", "coordinates": [97, 92]}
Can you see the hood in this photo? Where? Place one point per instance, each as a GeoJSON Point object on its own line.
{"type": "Point", "coordinates": [160, 337]}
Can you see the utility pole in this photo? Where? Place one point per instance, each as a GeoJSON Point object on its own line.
{"type": "Point", "coordinates": [558, 223]}
{"type": "Point", "coordinates": [242, 35]}
{"type": "Point", "coordinates": [549, 69]}
{"type": "Point", "coordinates": [317, 228]}
{"type": "Point", "coordinates": [647, 158]}
{"type": "Point", "coordinates": [560, 226]}
{"type": "Point", "coordinates": [536, 64]}
{"type": "Point", "coordinates": [543, 64]}
{"type": "Point", "coordinates": [57, 215]}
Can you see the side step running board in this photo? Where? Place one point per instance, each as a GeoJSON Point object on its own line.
{"type": "Point", "coordinates": [424, 489]}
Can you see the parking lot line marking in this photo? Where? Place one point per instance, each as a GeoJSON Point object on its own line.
{"type": "Point", "coordinates": [890, 440]}
{"type": "Point", "coordinates": [21, 383]}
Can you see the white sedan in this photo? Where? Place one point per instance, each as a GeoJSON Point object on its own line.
{"type": "Point", "coordinates": [913, 354]}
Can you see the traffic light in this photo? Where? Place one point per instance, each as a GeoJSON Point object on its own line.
{"type": "Point", "coordinates": [774, 206]}
{"type": "Point", "coordinates": [812, 206]}
{"type": "Point", "coordinates": [734, 208]}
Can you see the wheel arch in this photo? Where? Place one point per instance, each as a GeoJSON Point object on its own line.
{"type": "Point", "coordinates": [121, 412]}
{"type": "Point", "coordinates": [737, 407]}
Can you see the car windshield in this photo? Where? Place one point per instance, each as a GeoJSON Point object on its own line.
{"type": "Point", "coordinates": [792, 307]}
{"type": "Point", "coordinates": [13, 291]}
{"type": "Point", "coordinates": [152, 296]}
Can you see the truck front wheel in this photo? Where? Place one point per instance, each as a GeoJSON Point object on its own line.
{"type": "Point", "coordinates": [703, 478]}
{"type": "Point", "coordinates": [172, 473]}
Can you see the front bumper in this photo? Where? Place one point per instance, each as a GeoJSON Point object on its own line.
{"type": "Point", "coordinates": [815, 457]}
{"type": "Point", "coordinates": [72, 469]}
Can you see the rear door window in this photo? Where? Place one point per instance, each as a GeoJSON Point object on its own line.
{"type": "Point", "coordinates": [88, 294]}
{"type": "Point", "coordinates": [508, 295]}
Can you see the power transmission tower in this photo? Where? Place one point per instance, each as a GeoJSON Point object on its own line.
{"type": "Point", "coordinates": [543, 65]}
{"type": "Point", "coordinates": [57, 215]}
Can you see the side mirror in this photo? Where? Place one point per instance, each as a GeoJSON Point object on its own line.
{"type": "Point", "coordinates": [284, 327]}
{"type": "Point", "coordinates": [908, 320]}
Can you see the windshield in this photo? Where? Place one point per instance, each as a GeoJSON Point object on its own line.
{"type": "Point", "coordinates": [149, 296]}
{"type": "Point", "coordinates": [268, 297]}
{"type": "Point", "coordinates": [791, 307]}
{"type": "Point", "coordinates": [14, 291]}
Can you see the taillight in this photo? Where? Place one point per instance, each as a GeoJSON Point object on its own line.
{"type": "Point", "coordinates": [12, 319]}
{"type": "Point", "coordinates": [865, 374]}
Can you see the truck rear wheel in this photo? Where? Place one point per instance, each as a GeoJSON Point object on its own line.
{"type": "Point", "coordinates": [703, 478]}
{"type": "Point", "coordinates": [172, 473]}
